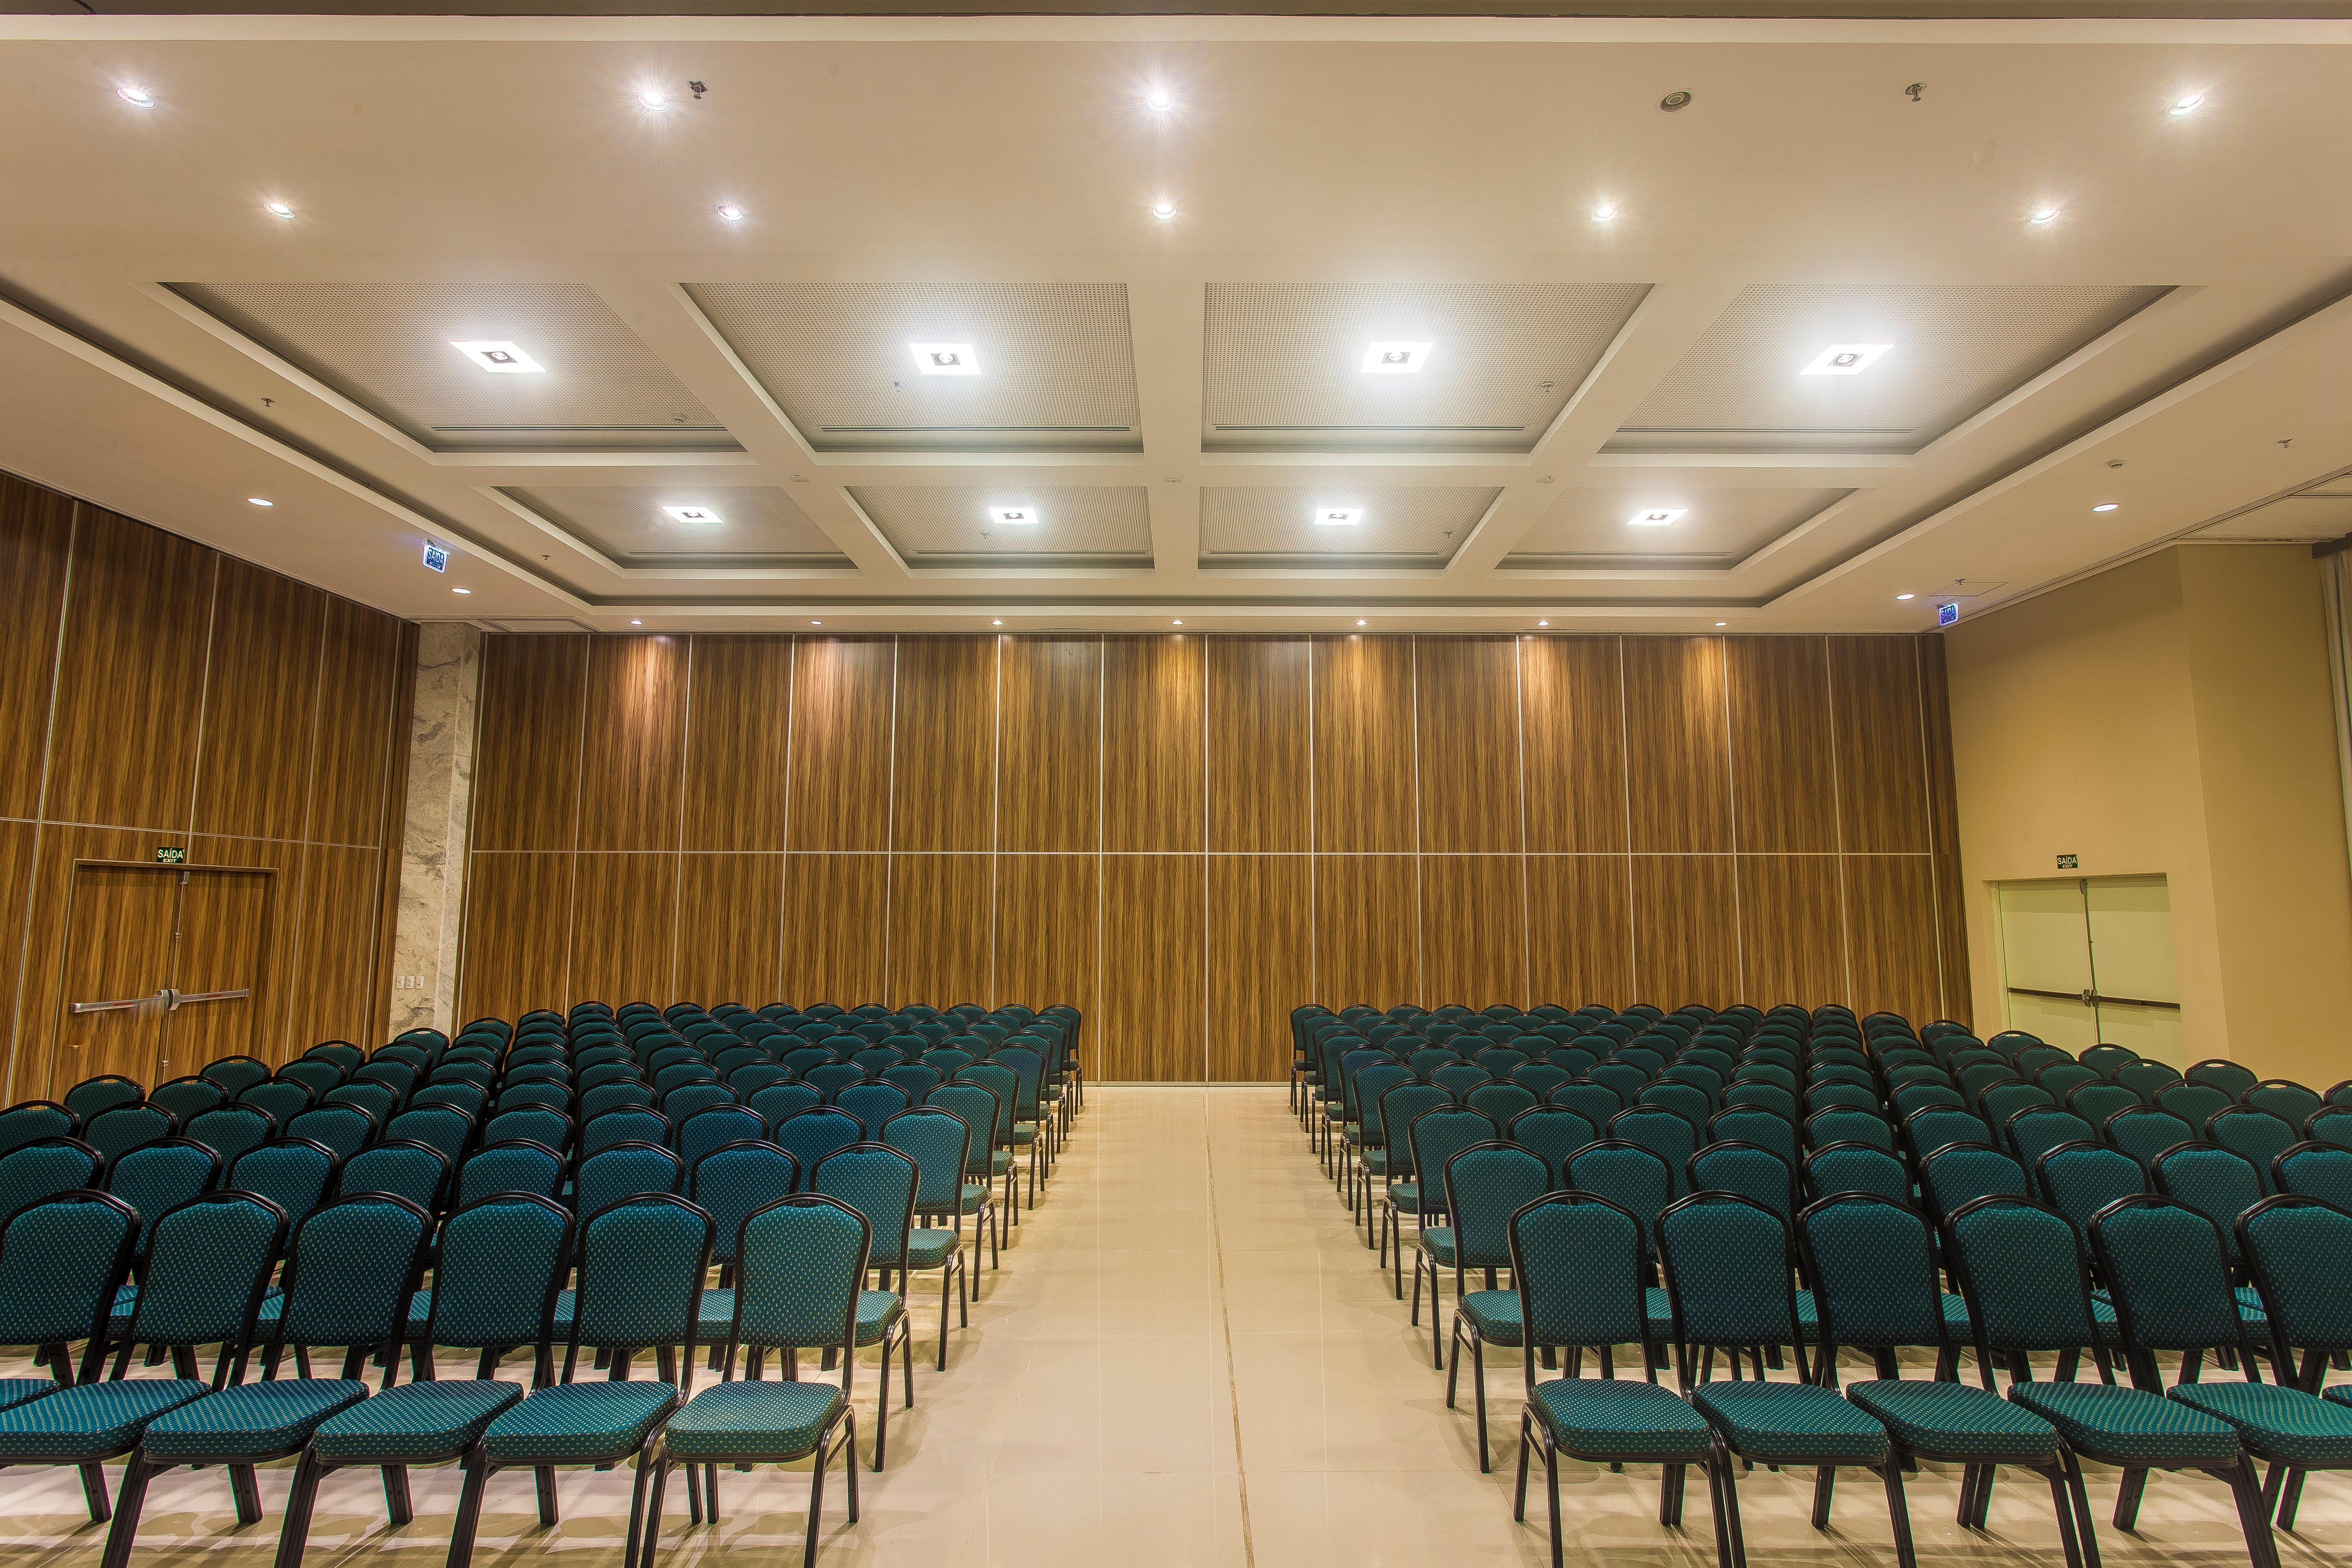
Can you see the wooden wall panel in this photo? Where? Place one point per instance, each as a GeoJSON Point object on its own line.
{"type": "Point", "coordinates": [840, 772]}
{"type": "Point", "coordinates": [1890, 952]}
{"type": "Point", "coordinates": [1365, 930]}
{"type": "Point", "coordinates": [1783, 761]}
{"type": "Point", "coordinates": [1951, 940]}
{"type": "Point", "coordinates": [1154, 970]}
{"type": "Point", "coordinates": [279, 902]}
{"type": "Point", "coordinates": [635, 749]}
{"type": "Point", "coordinates": [1049, 781]}
{"type": "Point", "coordinates": [1883, 796]}
{"type": "Point", "coordinates": [1677, 751]}
{"type": "Point", "coordinates": [730, 930]}
{"type": "Point", "coordinates": [623, 928]}
{"type": "Point", "coordinates": [1573, 712]}
{"type": "Point", "coordinates": [1260, 963]}
{"type": "Point", "coordinates": [1474, 924]}
{"type": "Point", "coordinates": [1260, 738]}
{"type": "Point", "coordinates": [16, 854]}
{"type": "Point", "coordinates": [261, 705]}
{"type": "Point", "coordinates": [943, 788]}
{"type": "Point", "coordinates": [939, 929]}
{"type": "Point", "coordinates": [1791, 929]}
{"type": "Point", "coordinates": [1047, 909]}
{"type": "Point", "coordinates": [836, 928]}
{"type": "Point", "coordinates": [518, 930]}
{"type": "Point", "coordinates": [1467, 719]}
{"type": "Point", "coordinates": [1152, 738]}
{"type": "Point", "coordinates": [1944, 832]}
{"type": "Point", "coordinates": [1685, 930]}
{"type": "Point", "coordinates": [526, 759]}
{"type": "Point", "coordinates": [363, 726]}
{"type": "Point", "coordinates": [1580, 928]}
{"type": "Point", "coordinates": [35, 540]}
{"type": "Point", "coordinates": [1364, 773]}
{"type": "Point", "coordinates": [333, 956]}
{"type": "Point", "coordinates": [739, 740]}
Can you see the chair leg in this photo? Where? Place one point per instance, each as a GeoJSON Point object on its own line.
{"type": "Point", "coordinates": [1729, 1494]}
{"type": "Point", "coordinates": [881, 1407]}
{"type": "Point", "coordinates": [1478, 1392]}
{"type": "Point", "coordinates": [816, 1502]}
{"type": "Point", "coordinates": [1670, 1496]}
{"type": "Point", "coordinates": [398, 1508]}
{"type": "Point", "coordinates": [943, 1314]}
{"type": "Point", "coordinates": [2290, 1494]}
{"type": "Point", "coordinates": [1520, 1495]}
{"type": "Point", "coordinates": [2252, 1515]}
{"type": "Point", "coordinates": [2127, 1494]}
{"type": "Point", "coordinates": [1824, 1485]}
{"type": "Point", "coordinates": [1551, 1499]}
{"type": "Point", "coordinates": [1725, 1556]}
{"type": "Point", "coordinates": [301, 1498]}
{"type": "Point", "coordinates": [469, 1510]}
{"type": "Point", "coordinates": [2084, 1528]}
{"type": "Point", "coordinates": [128, 1502]}
{"type": "Point", "coordinates": [647, 1544]}
{"type": "Point", "coordinates": [1899, 1512]}
{"type": "Point", "coordinates": [2063, 1505]}
{"type": "Point", "coordinates": [93, 1494]}
{"type": "Point", "coordinates": [850, 1461]}
{"type": "Point", "coordinates": [245, 1493]}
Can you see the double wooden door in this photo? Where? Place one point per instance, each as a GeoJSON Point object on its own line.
{"type": "Point", "coordinates": [165, 968]}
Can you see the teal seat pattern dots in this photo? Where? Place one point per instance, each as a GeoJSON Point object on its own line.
{"type": "Point", "coordinates": [92, 1420]}
{"type": "Point", "coordinates": [419, 1421]}
{"type": "Point", "coordinates": [578, 1423]}
{"type": "Point", "coordinates": [788, 1418]}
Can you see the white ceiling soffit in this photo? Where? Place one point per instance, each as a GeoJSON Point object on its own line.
{"type": "Point", "coordinates": [1937, 354]}
{"type": "Point", "coordinates": [2322, 510]}
{"type": "Point", "coordinates": [1613, 527]}
{"type": "Point", "coordinates": [1285, 368]}
{"type": "Point", "coordinates": [1039, 367]}
{"type": "Point", "coordinates": [682, 524]}
{"type": "Point", "coordinates": [392, 349]}
{"type": "Point", "coordinates": [1339, 525]}
{"type": "Point", "coordinates": [944, 525]}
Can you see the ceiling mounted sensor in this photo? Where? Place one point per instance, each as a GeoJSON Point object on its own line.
{"type": "Point", "coordinates": [1395, 358]}
{"type": "Point", "coordinates": [693, 516]}
{"type": "Point", "coordinates": [1339, 516]}
{"type": "Point", "coordinates": [1014, 516]}
{"type": "Point", "coordinates": [1656, 517]}
{"type": "Point", "coordinates": [501, 357]}
{"type": "Point", "coordinates": [945, 359]}
{"type": "Point", "coordinates": [1674, 101]}
{"type": "Point", "coordinates": [1845, 359]}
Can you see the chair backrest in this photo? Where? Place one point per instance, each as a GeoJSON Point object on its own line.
{"type": "Point", "coordinates": [2063, 1079]}
{"type": "Point", "coordinates": [2245, 1130]}
{"type": "Point", "coordinates": [1848, 1124]}
{"type": "Point", "coordinates": [621, 1094]}
{"type": "Point", "coordinates": [1635, 1179]}
{"type": "Point", "coordinates": [1578, 1260]}
{"type": "Point", "coordinates": [351, 1266]}
{"type": "Point", "coordinates": [1665, 1134]}
{"type": "Point", "coordinates": [2194, 1102]}
{"type": "Point", "coordinates": [913, 1080]}
{"type": "Point", "coordinates": [624, 1171]}
{"type": "Point", "coordinates": [342, 1129]}
{"type": "Point", "coordinates": [714, 1128]}
{"type": "Point", "coordinates": [2079, 1179]}
{"type": "Point", "coordinates": [539, 1124]}
{"type": "Point", "coordinates": [1499, 1102]}
{"type": "Point", "coordinates": [208, 1262]}
{"type": "Point", "coordinates": [159, 1177]}
{"type": "Point", "coordinates": [810, 1135]}
{"type": "Point", "coordinates": [642, 1262]}
{"type": "Point", "coordinates": [1925, 1131]}
{"type": "Point", "coordinates": [1370, 1084]}
{"type": "Point", "coordinates": [1958, 1173]}
{"type": "Point", "coordinates": [2219, 1182]}
{"type": "Point", "coordinates": [829, 1078]}
{"type": "Point", "coordinates": [2095, 1102]}
{"type": "Point", "coordinates": [975, 1106]}
{"type": "Point", "coordinates": [401, 1166]}
{"type": "Point", "coordinates": [315, 1074]}
{"type": "Point", "coordinates": [1005, 1084]}
{"type": "Point", "coordinates": [878, 1182]}
{"type": "Point", "coordinates": [295, 1174]}
{"type": "Point", "coordinates": [2166, 1271]}
{"type": "Point", "coordinates": [2315, 1170]}
{"type": "Point", "coordinates": [61, 1262]}
{"type": "Point", "coordinates": [872, 1104]}
{"type": "Point", "coordinates": [2331, 1123]}
{"type": "Point", "coordinates": [2290, 1102]}
{"type": "Point", "coordinates": [2145, 1132]}
{"type": "Point", "coordinates": [940, 1145]}
{"type": "Point", "coordinates": [2230, 1077]}
{"type": "Point", "coordinates": [1871, 1261]}
{"type": "Point", "coordinates": [636, 1125]}
{"type": "Point", "coordinates": [184, 1097]}
{"type": "Point", "coordinates": [237, 1074]}
{"type": "Point", "coordinates": [804, 1260]}
{"type": "Point", "coordinates": [1727, 1264]}
{"type": "Point", "coordinates": [1553, 1134]}
{"type": "Point", "coordinates": [43, 1170]}
{"type": "Point", "coordinates": [2036, 1129]}
{"type": "Point", "coordinates": [1435, 1137]}
{"type": "Point", "coordinates": [442, 1126]}
{"type": "Point", "coordinates": [2020, 1267]}
{"type": "Point", "coordinates": [517, 1165]}
{"type": "Point", "coordinates": [496, 1269]}
{"type": "Point", "coordinates": [104, 1092]}
{"type": "Point", "coordinates": [1837, 1168]}
{"type": "Point", "coordinates": [1756, 1174]}
{"type": "Point", "coordinates": [2148, 1079]}
{"type": "Point", "coordinates": [1485, 1184]}
{"type": "Point", "coordinates": [736, 1181]}
{"type": "Point", "coordinates": [2297, 1249]}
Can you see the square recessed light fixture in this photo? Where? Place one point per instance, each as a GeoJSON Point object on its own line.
{"type": "Point", "coordinates": [1845, 359]}
{"type": "Point", "coordinates": [1395, 359]}
{"type": "Point", "coordinates": [1014, 516]}
{"type": "Point", "coordinates": [945, 359]}
{"type": "Point", "coordinates": [1339, 516]}
{"type": "Point", "coordinates": [693, 516]}
{"type": "Point", "coordinates": [500, 356]}
{"type": "Point", "coordinates": [1656, 517]}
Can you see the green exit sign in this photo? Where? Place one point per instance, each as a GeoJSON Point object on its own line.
{"type": "Point", "coordinates": [171, 854]}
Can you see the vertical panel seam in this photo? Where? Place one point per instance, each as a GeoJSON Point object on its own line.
{"type": "Point", "coordinates": [1626, 772]}
{"type": "Point", "coordinates": [1731, 787]}
{"type": "Point", "coordinates": [1102, 886]}
{"type": "Point", "coordinates": [1314, 919]}
{"type": "Point", "coordinates": [1526, 929]}
{"type": "Point", "coordinates": [1420, 912]}
{"type": "Point", "coordinates": [310, 804]}
{"type": "Point", "coordinates": [1929, 793]}
{"type": "Point", "coordinates": [995, 821]}
{"type": "Point", "coordinates": [41, 810]}
{"type": "Point", "coordinates": [890, 822]}
{"type": "Point", "coordinates": [1837, 819]}
{"type": "Point", "coordinates": [785, 835]}
{"type": "Point", "coordinates": [1207, 1063]}
{"type": "Point", "coordinates": [677, 848]}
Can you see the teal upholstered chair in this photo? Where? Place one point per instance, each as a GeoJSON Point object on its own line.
{"type": "Point", "coordinates": [940, 1145]}
{"type": "Point", "coordinates": [1485, 1184]}
{"type": "Point", "coordinates": [1436, 1136]}
{"type": "Point", "coordinates": [1400, 1189]}
{"type": "Point", "coordinates": [730, 1184]}
{"type": "Point", "coordinates": [879, 1182]}
{"type": "Point", "coordinates": [2297, 1247]}
{"type": "Point", "coordinates": [61, 1263]}
{"type": "Point", "coordinates": [975, 1106]}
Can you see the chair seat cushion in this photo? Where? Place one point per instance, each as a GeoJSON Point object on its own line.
{"type": "Point", "coordinates": [418, 1421]}
{"type": "Point", "coordinates": [2341, 1393]}
{"type": "Point", "coordinates": [2277, 1422]}
{"type": "Point", "coordinates": [876, 1310]}
{"type": "Point", "coordinates": [716, 1319]}
{"type": "Point", "coordinates": [1956, 1420]}
{"type": "Point", "coordinates": [975, 1197]}
{"type": "Point", "coordinates": [1376, 1162]}
{"type": "Point", "coordinates": [1658, 1311]}
{"type": "Point", "coordinates": [770, 1420]}
{"type": "Point", "coordinates": [1495, 1314]}
{"type": "Point", "coordinates": [1405, 1197]}
{"type": "Point", "coordinates": [1437, 1240]}
{"type": "Point", "coordinates": [929, 1249]}
{"type": "Point", "coordinates": [1775, 1422]}
{"type": "Point", "coordinates": [578, 1423]}
{"type": "Point", "coordinates": [257, 1419]}
{"type": "Point", "coordinates": [1957, 1322]}
{"type": "Point", "coordinates": [999, 1162]}
{"type": "Point", "coordinates": [1594, 1417]}
{"type": "Point", "coordinates": [92, 1420]}
{"type": "Point", "coordinates": [16, 1391]}
{"type": "Point", "coordinates": [2128, 1424]}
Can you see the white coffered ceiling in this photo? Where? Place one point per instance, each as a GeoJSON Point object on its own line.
{"type": "Point", "coordinates": [1172, 407]}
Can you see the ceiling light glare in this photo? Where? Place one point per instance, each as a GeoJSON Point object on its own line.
{"type": "Point", "coordinates": [1656, 517]}
{"type": "Point", "coordinates": [1543, 623]}
{"type": "Point", "coordinates": [1163, 211]}
{"type": "Point", "coordinates": [653, 99]}
{"type": "Point", "coordinates": [2105, 506]}
{"type": "Point", "coordinates": [461, 589]}
{"type": "Point", "coordinates": [1906, 596]}
{"type": "Point", "coordinates": [731, 212]}
{"type": "Point", "coordinates": [499, 356]}
{"type": "Point", "coordinates": [1394, 358]}
{"type": "Point", "coordinates": [1014, 516]}
{"type": "Point", "coordinates": [1723, 623]}
{"type": "Point", "coordinates": [2045, 216]}
{"type": "Point", "coordinates": [945, 359]}
{"type": "Point", "coordinates": [1605, 213]}
{"type": "Point", "coordinates": [1339, 516]}
{"type": "Point", "coordinates": [816, 623]}
{"type": "Point", "coordinates": [130, 92]}
{"type": "Point", "coordinates": [277, 209]}
{"type": "Point", "coordinates": [636, 623]}
{"type": "Point", "coordinates": [1159, 100]}
{"type": "Point", "coordinates": [1180, 623]}
{"type": "Point", "coordinates": [996, 623]}
{"type": "Point", "coordinates": [1845, 359]}
{"type": "Point", "coordinates": [260, 500]}
{"type": "Point", "coordinates": [2186, 105]}
{"type": "Point", "coordinates": [693, 516]}
{"type": "Point", "coordinates": [1361, 623]}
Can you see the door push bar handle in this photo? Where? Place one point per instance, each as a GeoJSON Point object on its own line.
{"type": "Point", "coordinates": [171, 999]}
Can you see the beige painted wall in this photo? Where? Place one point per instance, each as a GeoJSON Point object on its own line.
{"type": "Point", "coordinates": [2172, 716]}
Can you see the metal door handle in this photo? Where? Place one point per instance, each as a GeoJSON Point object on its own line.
{"type": "Point", "coordinates": [124, 1005]}
{"type": "Point", "coordinates": [178, 999]}
{"type": "Point", "coordinates": [172, 1000]}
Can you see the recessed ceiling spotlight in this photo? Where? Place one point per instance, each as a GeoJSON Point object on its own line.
{"type": "Point", "coordinates": [1394, 359]}
{"type": "Point", "coordinates": [731, 212]}
{"type": "Point", "coordinates": [277, 209]}
{"type": "Point", "coordinates": [461, 589]}
{"type": "Point", "coordinates": [816, 623]}
{"type": "Point", "coordinates": [1360, 623]}
{"type": "Point", "coordinates": [1180, 623]}
{"type": "Point", "coordinates": [1543, 623]}
{"type": "Point", "coordinates": [130, 92]}
{"type": "Point", "coordinates": [1159, 100]}
{"type": "Point", "coordinates": [2105, 506]}
{"type": "Point", "coordinates": [996, 623]}
{"type": "Point", "coordinates": [2186, 105]}
{"type": "Point", "coordinates": [260, 500]}
{"type": "Point", "coordinates": [694, 516]}
{"type": "Point", "coordinates": [1163, 210]}
{"type": "Point", "coordinates": [1845, 359]}
{"type": "Point", "coordinates": [945, 359]}
{"type": "Point", "coordinates": [2044, 215]}
{"type": "Point", "coordinates": [499, 355]}
{"type": "Point", "coordinates": [1605, 213]}
{"type": "Point", "coordinates": [1014, 516]}
{"type": "Point", "coordinates": [653, 99]}
{"type": "Point", "coordinates": [1656, 517]}
{"type": "Point", "coordinates": [1906, 596]}
{"type": "Point", "coordinates": [1723, 623]}
{"type": "Point", "coordinates": [636, 623]}
{"type": "Point", "coordinates": [1339, 516]}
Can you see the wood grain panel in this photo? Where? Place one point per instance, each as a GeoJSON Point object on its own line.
{"type": "Point", "coordinates": [40, 1005]}
{"type": "Point", "coordinates": [1467, 722]}
{"type": "Point", "coordinates": [624, 929]}
{"type": "Point", "coordinates": [1572, 708]}
{"type": "Point", "coordinates": [1474, 924]}
{"type": "Point", "coordinates": [261, 706]}
{"type": "Point", "coordinates": [1890, 904]}
{"type": "Point", "coordinates": [1580, 928]}
{"type": "Point", "coordinates": [1367, 931]}
{"type": "Point", "coordinates": [1154, 969]}
{"type": "Point", "coordinates": [729, 922]}
{"type": "Point", "coordinates": [363, 726]}
{"type": "Point", "coordinates": [1882, 786]}
{"type": "Point", "coordinates": [836, 928]}
{"type": "Point", "coordinates": [527, 759]}
{"type": "Point", "coordinates": [1260, 963]}
{"type": "Point", "coordinates": [738, 741]}
{"type": "Point", "coordinates": [1678, 752]}
{"type": "Point", "coordinates": [940, 920]}
{"type": "Point", "coordinates": [1153, 689]}
{"type": "Point", "coordinates": [1046, 912]}
{"type": "Point", "coordinates": [131, 686]}
{"type": "Point", "coordinates": [840, 772]}
{"type": "Point", "coordinates": [330, 967]}
{"type": "Point", "coordinates": [636, 748]}
{"type": "Point", "coordinates": [15, 883]}
{"type": "Point", "coordinates": [35, 540]}
{"type": "Point", "coordinates": [1364, 781]}
{"type": "Point", "coordinates": [1952, 940]}
{"type": "Point", "coordinates": [944, 791]}
{"type": "Point", "coordinates": [517, 923]}
{"type": "Point", "coordinates": [390, 855]}
{"type": "Point", "coordinates": [1791, 929]}
{"type": "Point", "coordinates": [1783, 770]}
{"type": "Point", "coordinates": [1261, 731]}
{"type": "Point", "coordinates": [1049, 767]}
{"type": "Point", "coordinates": [1686, 940]}
{"type": "Point", "coordinates": [252, 912]}
{"type": "Point", "coordinates": [1935, 701]}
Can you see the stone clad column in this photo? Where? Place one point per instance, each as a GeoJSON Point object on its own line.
{"type": "Point", "coordinates": [432, 849]}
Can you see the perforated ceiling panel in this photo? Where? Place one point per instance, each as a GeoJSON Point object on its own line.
{"type": "Point", "coordinates": [941, 525]}
{"type": "Point", "coordinates": [1268, 525]}
{"type": "Point", "coordinates": [732, 525]}
{"type": "Point", "coordinates": [388, 349]}
{"type": "Point", "coordinates": [1284, 364]}
{"type": "Point", "coordinates": [1056, 370]}
{"type": "Point", "coordinates": [1950, 350]}
{"type": "Point", "coordinates": [1716, 528]}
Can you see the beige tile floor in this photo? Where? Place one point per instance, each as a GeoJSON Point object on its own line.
{"type": "Point", "coordinates": [1188, 1359]}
